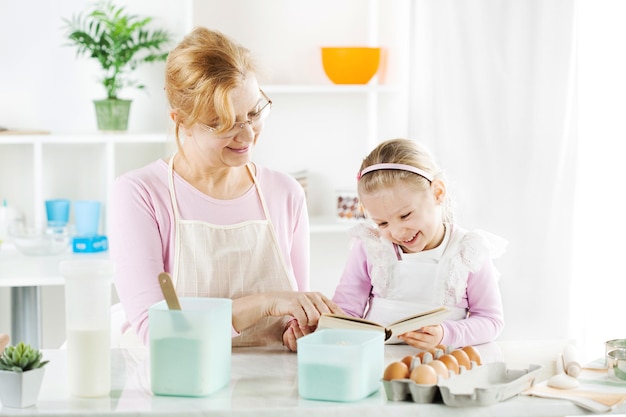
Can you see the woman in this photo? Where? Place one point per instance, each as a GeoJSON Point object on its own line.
{"type": "Point", "coordinates": [221, 225]}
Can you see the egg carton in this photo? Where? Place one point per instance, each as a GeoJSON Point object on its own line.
{"type": "Point", "coordinates": [481, 386]}
{"type": "Point", "coordinates": [408, 390]}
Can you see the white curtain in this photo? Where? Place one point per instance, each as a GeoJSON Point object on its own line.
{"type": "Point", "coordinates": [493, 96]}
{"type": "Point", "coordinates": [600, 217]}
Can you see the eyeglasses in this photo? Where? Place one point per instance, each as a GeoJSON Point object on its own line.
{"type": "Point", "coordinates": [255, 118]}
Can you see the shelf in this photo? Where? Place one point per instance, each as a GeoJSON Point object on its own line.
{"type": "Point", "coordinates": [319, 225]}
{"type": "Point", "coordinates": [86, 138]}
{"type": "Point", "coordinates": [19, 270]}
{"type": "Point", "coordinates": [329, 89]}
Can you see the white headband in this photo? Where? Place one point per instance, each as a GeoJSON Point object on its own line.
{"type": "Point", "coordinates": [401, 167]}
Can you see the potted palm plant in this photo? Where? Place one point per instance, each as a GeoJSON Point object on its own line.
{"type": "Point", "coordinates": [120, 42]}
{"type": "Point", "coordinates": [21, 374]}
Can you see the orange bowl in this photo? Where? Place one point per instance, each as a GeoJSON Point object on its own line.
{"type": "Point", "coordinates": [350, 65]}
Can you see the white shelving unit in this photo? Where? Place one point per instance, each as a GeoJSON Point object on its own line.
{"type": "Point", "coordinates": [42, 162]}
{"type": "Point", "coordinates": [370, 91]}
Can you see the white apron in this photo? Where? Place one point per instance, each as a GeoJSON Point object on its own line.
{"type": "Point", "coordinates": [231, 261]}
{"type": "Point", "coordinates": [414, 286]}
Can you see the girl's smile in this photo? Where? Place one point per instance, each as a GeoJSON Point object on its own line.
{"type": "Point", "coordinates": [412, 239]}
{"type": "Point", "coordinates": [407, 216]}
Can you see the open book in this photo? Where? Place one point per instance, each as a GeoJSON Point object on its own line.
{"type": "Point", "coordinates": [414, 322]}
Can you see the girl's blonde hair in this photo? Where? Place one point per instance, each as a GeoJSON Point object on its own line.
{"type": "Point", "coordinates": [200, 72]}
{"type": "Point", "coordinates": [406, 152]}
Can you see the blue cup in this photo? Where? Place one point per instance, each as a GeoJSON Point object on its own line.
{"type": "Point", "coordinates": [87, 217]}
{"type": "Point", "coordinates": [58, 212]}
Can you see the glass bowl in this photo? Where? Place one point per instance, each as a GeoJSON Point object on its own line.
{"type": "Point", "coordinates": [35, 241]}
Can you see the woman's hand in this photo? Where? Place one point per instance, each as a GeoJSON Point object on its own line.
{"type": "Point", "coordinates": [425, 338]}
{"type": "Point", "coordinates": [305, 307]}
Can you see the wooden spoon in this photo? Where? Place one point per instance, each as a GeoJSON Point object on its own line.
{"type": "Point", "coordinates": [165, 280]}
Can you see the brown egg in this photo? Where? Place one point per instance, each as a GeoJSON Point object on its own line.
{"type": "Point", "coordinates": [462, 358]}
{"type": "Point", "coordinates": [424, 374]}
{"type": "Point", "coordinates": [443, 348]}
{"type": "Point", "coordinates": [451, 362]}
{"type": "Point", "coordinates": [396, 370]}
{"type": "Point", "coordinates": [440, 368]}
{"type": "Point", "coordinates": [408, 360]}
{"type": "Point", "coordinates": [425, 356]}
{"type": "Point", "coordinates": [473, 354]}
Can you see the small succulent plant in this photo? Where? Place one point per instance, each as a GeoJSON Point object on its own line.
{"type": "Point", "coordinates": [21, 358]}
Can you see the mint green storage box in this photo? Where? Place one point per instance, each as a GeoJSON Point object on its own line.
{"type": "Point", "coordinates": [340, 364]}
{"type": "Point", "coordinates": [190, 349]}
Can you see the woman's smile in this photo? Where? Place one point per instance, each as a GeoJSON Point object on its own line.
{"type": "Point", "coordinates": [239, 150]}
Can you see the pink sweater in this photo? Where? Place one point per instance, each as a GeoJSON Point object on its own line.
{"type": "Point", "coordinates": [481, 298]}
{"type": "Point", "coordinates": [141, 229]}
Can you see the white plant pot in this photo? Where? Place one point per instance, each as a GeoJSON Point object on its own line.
{"type": "Point", "coordinates": [20, 389]}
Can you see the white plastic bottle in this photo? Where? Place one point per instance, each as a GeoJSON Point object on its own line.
{"type": "Point", "coordinates": [88, 326]}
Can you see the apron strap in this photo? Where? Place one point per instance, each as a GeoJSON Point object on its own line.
{"type": "Point", "coordinates": [272, 230]}
{"type": "Point", "coordinates": [170, 181]}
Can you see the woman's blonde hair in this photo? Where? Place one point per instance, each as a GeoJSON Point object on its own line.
{"type": "Point", "coordinates": [200, 73]}
{"type": "Point", "coordinates": [405, 152]}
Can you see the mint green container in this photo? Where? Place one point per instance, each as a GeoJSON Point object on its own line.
{"type": "Point", "coordinates": [190, 349]}
{"type": "Point", "coordinates": [340, 365]}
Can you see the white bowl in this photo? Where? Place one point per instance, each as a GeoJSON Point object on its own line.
{"type": "Point", "coordinates": [39, 241]}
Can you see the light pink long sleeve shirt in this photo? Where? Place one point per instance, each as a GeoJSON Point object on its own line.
{"type": "Point", "coordinates": [141, 229]}
{"type": "Point", "coordinates": [481, 299]}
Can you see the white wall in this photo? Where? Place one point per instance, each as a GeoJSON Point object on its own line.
{"type": "Point", "coordinates": [44, 86]}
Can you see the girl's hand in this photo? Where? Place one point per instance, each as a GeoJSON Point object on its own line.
{"type": "Point", "coordinates": [425, 338]}
{"type": "Point", "coordinates": [292, 333]}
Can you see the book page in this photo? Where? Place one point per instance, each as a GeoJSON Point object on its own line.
{"type": "Point", "coordinates": [426, 318]}
{"type": "Point", "coordinates": [335, 321]}
{"type": "Point", "coordinates": [430, 318]}
{"type": "Point", "coordinates": [415, 316]}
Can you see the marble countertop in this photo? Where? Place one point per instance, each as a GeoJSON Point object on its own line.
{"type": "Point", "coordinates": [263, 383]}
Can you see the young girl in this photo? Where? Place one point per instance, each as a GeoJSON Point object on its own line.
{"type": "Point", "coordinates": [414, 258]}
